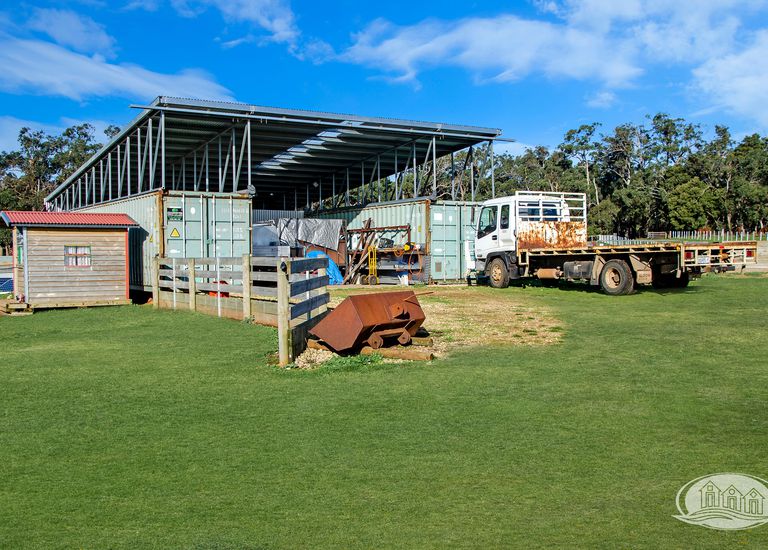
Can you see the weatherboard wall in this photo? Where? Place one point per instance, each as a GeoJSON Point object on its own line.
{"type": "Point", "coordinates": [52, 281]}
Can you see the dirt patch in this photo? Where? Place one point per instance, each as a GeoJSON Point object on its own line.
{"type": "Point", "coordinates": [461, 316]}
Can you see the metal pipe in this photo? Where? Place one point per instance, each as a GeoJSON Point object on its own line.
{"type": "Point", "coordinates": [248, 130]}
{"type": "Point", "coordinates": [415, 173]}
{"type": "Point", "coordinates": [434, 168]}
{"type": "Point", "coordinates": [151, 156]}
{"type": "Point", "coordinates": [493, 170]}
{"type": "Point", "coordinates": [162, 149]}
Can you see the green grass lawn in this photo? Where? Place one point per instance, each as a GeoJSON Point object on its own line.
{"type": "Point", "coordinates": [132, 428]}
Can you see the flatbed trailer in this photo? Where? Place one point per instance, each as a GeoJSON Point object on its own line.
{"type": "Point", "coordinates": [663, 264]}
{"type": "Point", "coordinates": [543, 235]}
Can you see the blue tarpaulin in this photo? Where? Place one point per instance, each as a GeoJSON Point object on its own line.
{"type": "Point", "coordinates": [334, 274]}
{"type": "Point", "coordinates": [6, 285]}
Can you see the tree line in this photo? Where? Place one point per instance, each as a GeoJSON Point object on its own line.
{"type": "Point", "coordinates": [40, 163]}
{"type": "Point", "coordinates": [656, 176]}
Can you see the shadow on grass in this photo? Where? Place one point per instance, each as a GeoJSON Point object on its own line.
{"type": "Point", "coordinates": [595, 289]}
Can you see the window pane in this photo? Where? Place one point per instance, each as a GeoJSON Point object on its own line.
{"type": "Point", "coordinates": [487, 221]}
{"type": "Point", "coordinates": [505, 217]}
{"type": "Point", "coordinates": [77, 256]}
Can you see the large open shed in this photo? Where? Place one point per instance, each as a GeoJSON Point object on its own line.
{"type": "Point", "coordinates": [283, 158]}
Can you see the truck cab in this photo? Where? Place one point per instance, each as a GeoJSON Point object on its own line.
{"type": "Point", "coordinates": [526, 220]}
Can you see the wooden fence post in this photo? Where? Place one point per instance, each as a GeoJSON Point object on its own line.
{"type": "Point", "coordinates": [156, 282]}
{"type": "Point", "coordinates": [192, 284]}
{"type": "Point", "coordinates": [322, 272]}
{"type": "Point", "coordinates": [247, 282]}
{"type": "Point", "coordinates": [284, 311]}
{"type": "Point", "coordinates": [173, 281]}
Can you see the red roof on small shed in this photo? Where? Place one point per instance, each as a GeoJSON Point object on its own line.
{"type": "Point", "coordinates": [66, 219]}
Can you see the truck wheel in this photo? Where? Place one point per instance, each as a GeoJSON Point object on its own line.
{"type": "Point", "coordinates": [498, 276]}
{"type": "Point", "coordinates": [616, 278]}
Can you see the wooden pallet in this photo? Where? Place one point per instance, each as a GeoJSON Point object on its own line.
{"type": "Point", "coordinates": [15, 308]}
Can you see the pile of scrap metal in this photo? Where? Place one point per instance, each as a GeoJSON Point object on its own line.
{"type": "Point", "coordinates": [375, 259]}
{"type": "Point", "coordinates": [368, 255]}
{"type": "Point", "coordinates": [373, 323]}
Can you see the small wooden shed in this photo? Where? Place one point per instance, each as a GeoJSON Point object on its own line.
{"type": "Point", "coordinates": [66, 259]}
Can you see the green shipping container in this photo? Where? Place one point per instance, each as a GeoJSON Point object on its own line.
{"type": "Point", "coordinates": [452, 230]}
{"type": "Point", "coordinates": [182, 224]}
{"type": "Point", "coordinates": [444, 228]}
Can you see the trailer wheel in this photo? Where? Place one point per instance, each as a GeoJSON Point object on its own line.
{"type": "Point", "coordinates": [498, 276]}
{"type": "Point", "coordinates": [616, 278]}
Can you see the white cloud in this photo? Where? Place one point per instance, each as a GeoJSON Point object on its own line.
{"type": "Point", "coordinates": [34, 66]}
{"type": "Point", "coordinates": [73, 30]}
{"type": "Point", "coordinates": [274, 16]}
{"type": "Point", "coordinates": [608, 41]}
{"type": "Point", "coordinates": [148, 5]}
{"type": "Point", "coordinates": [9, 130]}
{"type": "Point", "coordinates": [602, 100]}
{"type": "Point", "coordinates": [514, 148]}
{"type": "Point", "coordinates": [738, 82]}
{"type": "Point", "coordinates": [503, 48]}
{"type": "Point", "coordinates": [247, 39]}
{"type": "Point", "coordinates": [10, 127]}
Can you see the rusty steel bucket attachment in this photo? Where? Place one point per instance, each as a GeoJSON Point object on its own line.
{"type": "Point", "coordinates": [370, 319]}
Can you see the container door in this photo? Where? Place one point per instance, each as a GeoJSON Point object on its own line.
{"type": "Point", "coordinates": [228, 227]}
{"type": "Point", "coordinates": [444, 248]}
{"type": "Point", "coordinates": [184, 226]}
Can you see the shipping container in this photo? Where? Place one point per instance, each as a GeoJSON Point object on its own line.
{"type": "Point", "coordinates": [412, 212]}
{"type": "Point", "coordinates": [182, 224]}
{"type": "Point", "coordinates": [260, 216]}
{"type": "Point", "coordinates": [452, 239]}
{"type": "Point", "coordinates": [445, 230]}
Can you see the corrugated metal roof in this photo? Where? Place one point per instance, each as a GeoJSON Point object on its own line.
{"type": "Point", "coordinates": [65, 219]}
{"type": "Point", "coordinates": [290, 153]}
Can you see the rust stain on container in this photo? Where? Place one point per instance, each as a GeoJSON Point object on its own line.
{"type": "Point", "coordinates": [552, 234]}
{"type": "Point", "coordinates": [371, 319]}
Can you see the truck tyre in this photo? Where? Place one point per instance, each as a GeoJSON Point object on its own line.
{"type": "Point", "coordinates": [498, 275]}
{"type": "Point", "coordinates": [616, 278]}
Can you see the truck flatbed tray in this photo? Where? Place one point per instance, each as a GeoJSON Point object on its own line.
{"type": "Point", "coordinates": [642, 247]}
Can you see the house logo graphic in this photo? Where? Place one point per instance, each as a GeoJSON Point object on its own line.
{"type": "Point", "coordinates": [724, 501]}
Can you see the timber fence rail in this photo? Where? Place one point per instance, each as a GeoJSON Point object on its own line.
{"type": "Point", "coordinates": [290, 294]}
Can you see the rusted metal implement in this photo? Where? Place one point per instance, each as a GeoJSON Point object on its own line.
{"type": "Point", "coordinates": [370, 319]}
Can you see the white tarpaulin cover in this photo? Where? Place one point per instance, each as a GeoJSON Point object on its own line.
{"type": "Point", "coordinates": [323, 233]}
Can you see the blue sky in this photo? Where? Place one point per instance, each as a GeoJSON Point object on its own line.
{"type": "Point", "coordinates": [532, 68]}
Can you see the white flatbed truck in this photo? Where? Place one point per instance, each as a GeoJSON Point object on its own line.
{"type": "Point", "coordinates": [544, 235]}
